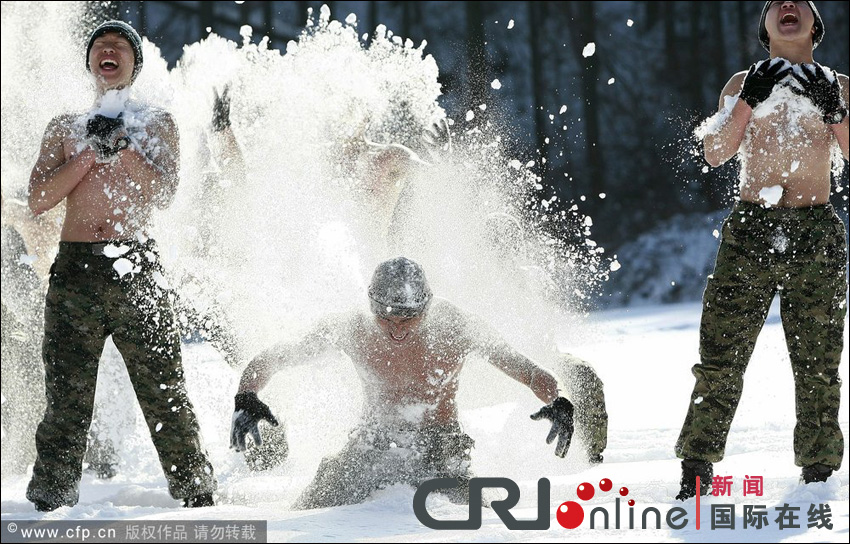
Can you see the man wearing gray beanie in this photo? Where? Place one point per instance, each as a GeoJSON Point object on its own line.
{"type": "Point", "coordinates": [783, 118]}
{"type": "Point", "coordinates": [409, 350]}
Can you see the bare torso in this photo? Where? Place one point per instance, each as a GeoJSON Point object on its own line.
{"type": "Point", "coordinates": [106, 205]}
{"type": "Point", "coordinates": [414, 382]}
{"type": "Point", "coordinates": [787, 150]}
{"type": "Point", "coordinates": [788, 147]}
{"type": "Point", "coordinates": [114, 200]}
{"type": "Point", "coordinates": [378, 174]}
{"type": "Point", "coordinates": [410, 382]}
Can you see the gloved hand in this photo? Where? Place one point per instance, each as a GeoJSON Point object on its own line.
{"type": "Point", "coordinates": [823, 90]}
{"type": "Point", "coordinates": [438, 139]}
{"type": "Point", "coordinates": [246, 418]}
{"type": "Point", "coordinates": [107, 135]}
{"type": "Point", "coordinates": [221, 110]}
{"type": "Point", "coordinates": [561, 414]}
{"type": "Point", "coordinates": [760, 80]}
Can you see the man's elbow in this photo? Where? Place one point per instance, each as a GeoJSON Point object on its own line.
{"type": "Point", "coordinates": [167, 192]}
{"type": "Point", "coordinates": [164, 200]}
{"type": "Point", "coordinates": [36, 204]}
{"type": "Point", "coordinates": [714, 158]}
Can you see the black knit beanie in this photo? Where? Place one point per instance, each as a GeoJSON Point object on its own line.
{"type": "Point", "coordinates": [764, 38]}
{"type": "Point", "coordinates": [119, 27]}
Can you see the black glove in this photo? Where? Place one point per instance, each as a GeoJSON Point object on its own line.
{"type": "Point", "coordinates": [221, 110]}
{"type": "Point", "coordinates": [561, 414]}
{"type": "Point", "coordinates": [438, 138]}
{"type": "Point", "coordinates": [824, 94]}
{"type": "Point", "coordinates": [249, 412]}
{"type": "Point", "coordinates": [761, 79]}
{"type": "Point", "coordinates": [102, 132]}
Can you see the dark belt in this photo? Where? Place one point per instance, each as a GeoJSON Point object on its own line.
{"type": "Point", "coordinates": [819, 211]}
{"type": "Point", "coordinates": [98, 248]}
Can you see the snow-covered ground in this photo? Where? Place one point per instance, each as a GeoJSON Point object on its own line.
{"type": "Point", "coordinates": [643, 356]}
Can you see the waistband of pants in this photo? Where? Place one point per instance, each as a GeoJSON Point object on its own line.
{"type": "Point", "coordinates": [820, 211]}
{"type": "Point", "coordinates": [396, 427]}
{"type": "Point", "coordinates": [112, 249]}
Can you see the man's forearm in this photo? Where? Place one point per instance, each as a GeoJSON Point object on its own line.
{"type": "Point", "coordinates": [544, 385]}
{"type": "Point", "coordinates": [256, 375]}
{"type": "Point", "coordinates": [525, 371]}
{"type": "Point", "coordinates": [50, 188]}
{"type": "Point", "coordinates": [841, 134]}
{"type": "Point", "coordinates": [724, 144]}
{"type": "Point", "coordinates": [157, 182]}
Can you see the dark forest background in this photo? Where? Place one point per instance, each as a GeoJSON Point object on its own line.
{"type": "Point", "coordinates": [629, 139]}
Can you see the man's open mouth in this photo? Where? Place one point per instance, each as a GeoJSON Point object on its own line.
{"type": "Point", "coordinates": [108, 65]}
{"type": "Point", "coordinates": [788, 19]}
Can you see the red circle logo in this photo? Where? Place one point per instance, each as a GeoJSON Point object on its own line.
{"type": "Point", "coordinates": [570, 515]}
{"type": "Point", "coordinates": [585, 491]}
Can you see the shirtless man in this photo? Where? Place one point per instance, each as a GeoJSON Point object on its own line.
{"type": "Point", "coordinates": [409, 354]}
{"type": "Point", "coordinates": [382, 171]}
{"type": "Point", "coordinates": [224, 175]}
{"type": "Point", "coordinates": [112, 166]}
{"type": "Point", "coordinates": [782, 236]}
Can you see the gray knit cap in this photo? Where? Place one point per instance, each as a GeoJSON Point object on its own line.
{"type": "Point", "coordinates": [399, 288]}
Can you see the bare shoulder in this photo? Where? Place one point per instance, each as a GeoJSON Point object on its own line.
{"type": "Point", "coordinates": [733, 86]}
{"type": "Point", "coordinates": [449, 319]}
{"type": "Point", "coordinates": [60, 126]}
{"type": "Point", "coordinates": [844, 83]}
{"type": "Point", "coordinates": [443, 309]}
{"type": "Point", "coordinates": [162, 119]}
{"type": "Point", "coordinates": [340, 321]}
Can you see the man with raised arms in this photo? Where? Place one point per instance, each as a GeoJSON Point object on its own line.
{"type": "Point", "coordinates": [408, 353]}
{"type": "Point", "coordinates": [786, 120]}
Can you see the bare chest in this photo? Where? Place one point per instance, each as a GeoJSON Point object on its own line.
{"type": "Point", "coordinates": [417, 370]}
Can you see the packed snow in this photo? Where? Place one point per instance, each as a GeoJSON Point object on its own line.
{"type": "Point", "coordinates": [642, 355]}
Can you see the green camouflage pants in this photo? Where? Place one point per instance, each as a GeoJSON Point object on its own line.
{"type": "Point", "coordinates": [22, 372]}
{"type": "Point", "coordinates": [377, 456]}
{"type": "Point", "coordinates": [802, 255]}
{"type": "Point", "coordinates": [87, 301]}
{"type": "Point", "coordinates": [584, 389]}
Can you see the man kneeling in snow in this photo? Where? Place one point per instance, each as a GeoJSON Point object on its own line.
{"type": "Point", "coordinates": [409, 352]}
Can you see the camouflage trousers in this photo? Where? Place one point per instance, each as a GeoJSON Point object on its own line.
{"type": "Point", "coordinates": [584, 389]}
{"type": "Point", "coordinates": [802, 255]}
{"type": "Point", "coordinates": [92, 296]}
{"type": "Point", "coordinates": [377, 456]}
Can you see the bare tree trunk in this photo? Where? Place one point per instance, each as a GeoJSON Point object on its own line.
{"type": "Point", "coordinates": [670, 36]}
{"type": "Point", "coordinates": [205, 13]}
{"type": "Point", "coordinates": [268, 19]}
{"type": "Point", "coordinates": [406, 18]}
{"type": "Point", "coordinates": [590, 78]}
{"type": "Point", "coordinates": [476, 57]}
{"type": "Point", "coordinates": [743, 34]}
{"type": "Point", "coordinates": [536, 24]}
{"type": "Point", "coordinates": [302, 12]}
{"type": "Point", "coordinates": [695, 76]}
{"type": "Point", "coordinates": [143, 18]}
{"type": "Point", "coordinates": [719, 55]}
